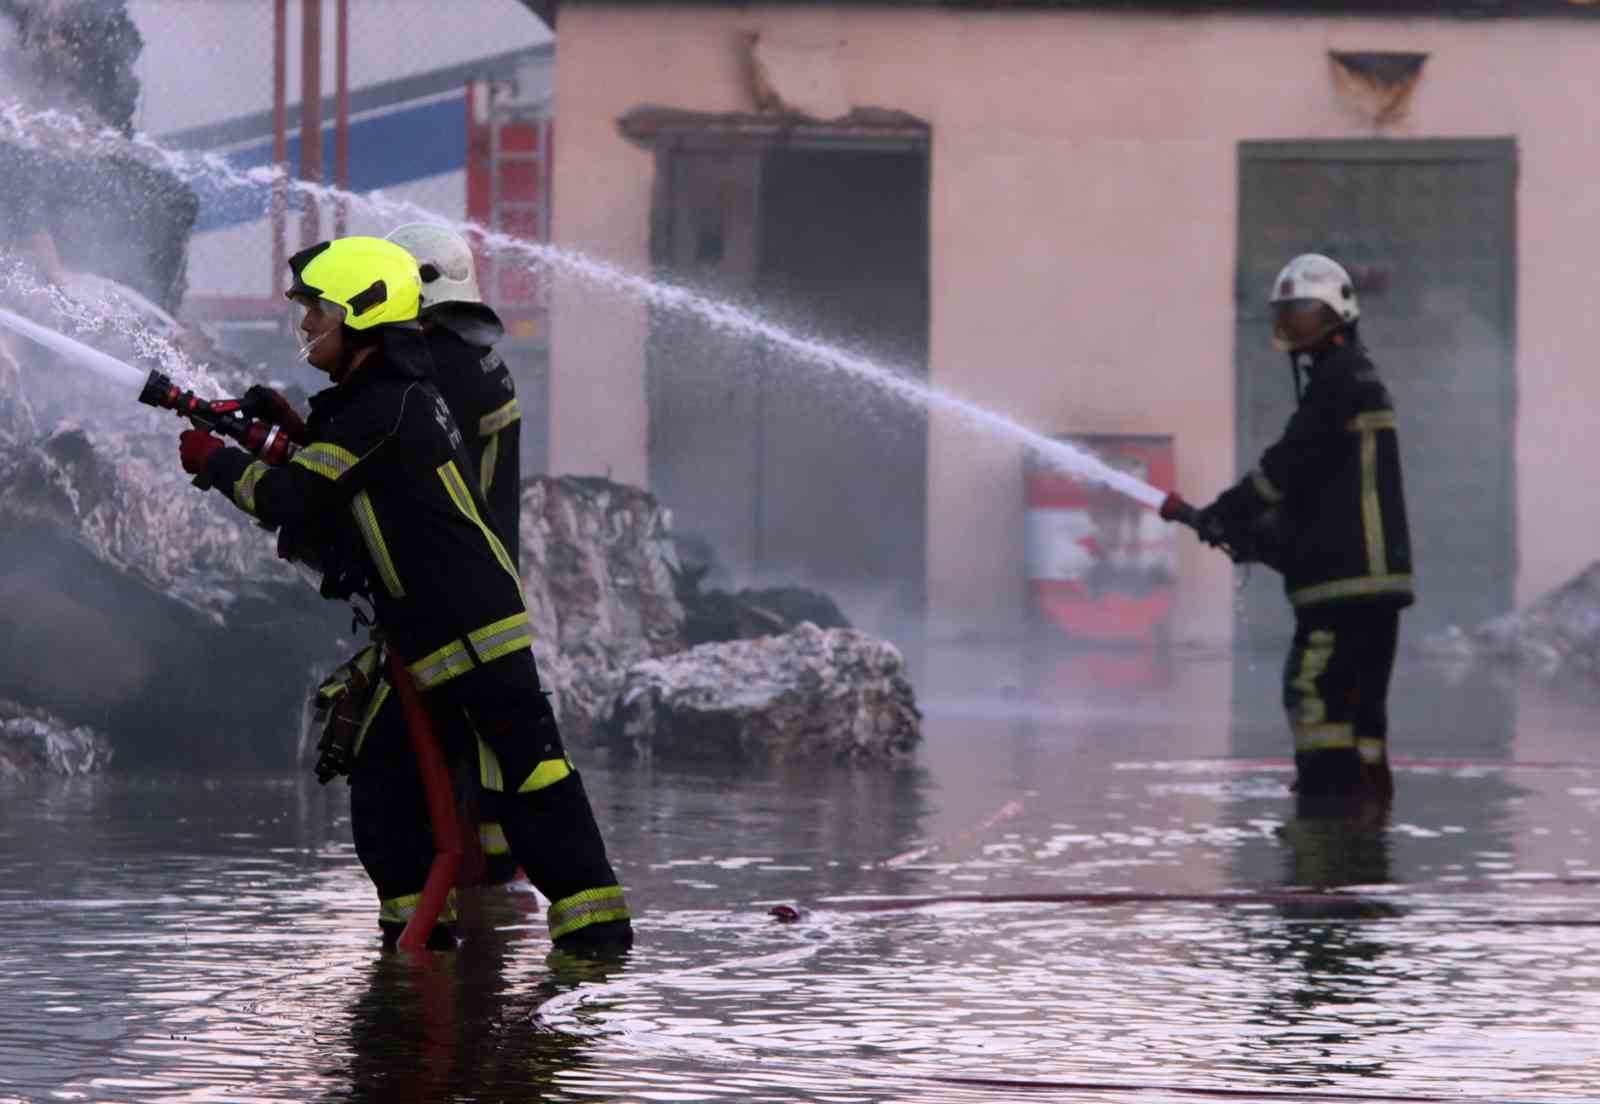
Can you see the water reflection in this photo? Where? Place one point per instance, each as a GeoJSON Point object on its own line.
{"type": "Point", "coordinates": [444, 1026]}
{"type": "Point", "coordinates": [1187, 926]}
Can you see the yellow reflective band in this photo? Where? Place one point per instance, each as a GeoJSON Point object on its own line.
{"type": "Point", "coordinates": [1365, 587]}
{"type": "Point", "coordinates": [1372, 750]}
{"type": "Point", "coordinates": [1313, 663]}
{"type": "Point", "coordinates": [1371, 511]}
{"type": "Point", "coordinates": [377, 547]}
{"type": "Point", "coordinates": [244, 491]}
{"type": "Point", "coordinates": [547, 773]}
{"type": "Point", "coordinates": [498, 419]}
{"type": "Point", "coordinates": [374, 707]}
{"type": "Point", "coordinates": [490, 777]}
{"type": "Point", "coordinates": [1370, 421]}
{"type": "Point", "coordinates": [397, 910]}
{"type": "Point", "coordinates": [491, 454]}
{"type": "Point", "coordinates": [496, 639]}
{"type": "Point", "coordinates": [501, 637]}
{"type": "Point", "coordinates": [592, 906]}
{"type": "Point", "coordinates": [366, 660]}
{"type": "Point", "coordinates": [400, 910]}
{"type": "Point", "coordinates": [337, 685]}
{"type": "Point", "coordinates": [492, 839]}
{"type": "Point", "coordinates": [326, 459]}
{"type": "Point", "coordinates": [1264, 487]}
{"type": "Point", "coordinates": [457, 489]}
{"type": "Point", "coordinates": [1325, 737]}
{"type": "Point", "coordinates": [441, 666]}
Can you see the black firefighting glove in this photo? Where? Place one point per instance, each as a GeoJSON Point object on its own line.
{"type": "Point", "coordinates": [271, 405]}
{"type": "Point", "coordinates": [1208, 524]}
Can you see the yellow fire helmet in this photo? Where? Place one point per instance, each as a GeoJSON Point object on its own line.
{"type": "Point", "coordinates": [374, 282]}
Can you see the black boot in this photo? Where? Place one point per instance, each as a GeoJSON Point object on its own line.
{"type": "Point", "coordinates": [1333, 773]}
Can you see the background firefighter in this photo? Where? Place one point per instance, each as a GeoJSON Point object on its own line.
{"type": "Point", "coordinates": [460, 331]}
{"type": "Point", "coordinates": [379, 500]}
{"type": "Point", "coordinates": [1326, 507]}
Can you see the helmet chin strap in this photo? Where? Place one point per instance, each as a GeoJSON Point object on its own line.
{"type": "Point", "coordinates": [1300, 357]}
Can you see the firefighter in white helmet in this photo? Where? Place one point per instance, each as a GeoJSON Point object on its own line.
{"type": "Point", "coordinates": [472, 377]}
{"type": "Point", "coordinates": [460, 331]}
{"type": "Point", "coordinates": [1326, 507]}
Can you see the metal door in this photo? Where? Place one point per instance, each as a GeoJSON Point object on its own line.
{"type": "Point", "coordinates": [1428, 230]}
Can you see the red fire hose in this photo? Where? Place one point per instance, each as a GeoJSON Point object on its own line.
{"type": "Point", "coordinates": [441, 809]}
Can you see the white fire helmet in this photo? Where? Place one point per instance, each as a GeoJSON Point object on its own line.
{"type": "Point", "coordinates": [445, 260]}
{"type": "Point", "coordinates": [1313, 276]}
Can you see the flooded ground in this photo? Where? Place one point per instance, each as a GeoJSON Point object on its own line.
{"type": "Point", "coordinates": [1141, 916]}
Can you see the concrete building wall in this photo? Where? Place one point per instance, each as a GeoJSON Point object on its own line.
{"type": "Point", "coordinates": [1083, 217]}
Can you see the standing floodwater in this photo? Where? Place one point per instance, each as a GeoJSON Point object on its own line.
{"type": "Point", "coordinates": [167, 937]}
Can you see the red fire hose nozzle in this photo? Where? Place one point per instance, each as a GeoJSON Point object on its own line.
{"type": "Point", "coordinates": [1174, 508]}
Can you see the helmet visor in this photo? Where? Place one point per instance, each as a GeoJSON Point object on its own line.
{"type": "Point", "coordinates": [311, 320]}
{"type": "Point", "coordinates": [1300, 323]}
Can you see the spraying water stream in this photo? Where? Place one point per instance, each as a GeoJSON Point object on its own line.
{"type": "Point", "coordinates": [95, 318]}
{"type": "Point", "coordinates": [76, 351]}
{"type": "Point", "coordinates": [28, 126]}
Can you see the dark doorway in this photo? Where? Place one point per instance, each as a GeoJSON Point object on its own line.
{"type": "Point", "coordinates": [1428, 230]}
{"type": "Point", "coordinates": [791, 471]}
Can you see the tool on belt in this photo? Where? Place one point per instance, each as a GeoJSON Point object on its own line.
{"type": "Point", "coordinates": [341, 704]}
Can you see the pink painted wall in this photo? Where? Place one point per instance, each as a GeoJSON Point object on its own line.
{"type": "Point", "coordinates": [1084, 199]}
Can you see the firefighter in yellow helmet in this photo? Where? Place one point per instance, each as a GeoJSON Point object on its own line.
{"type": "Point", "coordinates": [381, 500]}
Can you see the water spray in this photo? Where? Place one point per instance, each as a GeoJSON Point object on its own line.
{"type": "Point", "coordinates": [721, 315]}
{"type": "Point", "coordinates": [100, 363]}
{"type": "Point", "coordinates": [95, 318]}
{"type": "Point", "coordinates": [27, 127]}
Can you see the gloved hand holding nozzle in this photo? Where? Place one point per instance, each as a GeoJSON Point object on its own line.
{"type": "Point", "coordinates": [1207, 526]}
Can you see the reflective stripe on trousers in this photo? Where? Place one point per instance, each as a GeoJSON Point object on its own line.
{"type": "Point", "coordinates": [400, 910]}
{"type": "Point", "coordinates": [1310, 739]}
{"type": "Point", "coordinates": [492, 777]}
{"type": "Point", "coordinates": [1310, 711]}
{"type": "Point", "coordinates": [592, 906]}
{"type": "Point", "coordinates": [492, 839]}
{"type": "Point", "coordinates": [1324, 737]}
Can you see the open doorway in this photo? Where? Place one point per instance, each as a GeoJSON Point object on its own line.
{"type": "Point", "coordinates": [793, 472]}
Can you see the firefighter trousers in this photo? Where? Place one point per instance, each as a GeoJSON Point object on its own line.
{"type": "Point", "coordinates": [1336, 693]}
{"type": "Point", "coordinates": [527, 785]}
{"type": "Point", "coordinates": [386, 785]}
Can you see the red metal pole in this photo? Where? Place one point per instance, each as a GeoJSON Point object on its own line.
{"type": "Point", "coordinates": [280, 139]}
{"type": "Point", "coordinates": [341, 123]}
{"type": "Point", "coordinates": [441, 809]}
{"type": "Point", "coordinates": [310, 114]}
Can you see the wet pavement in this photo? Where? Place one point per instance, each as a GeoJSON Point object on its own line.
{"type": "Point", "coordinates": [1092, 885]}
